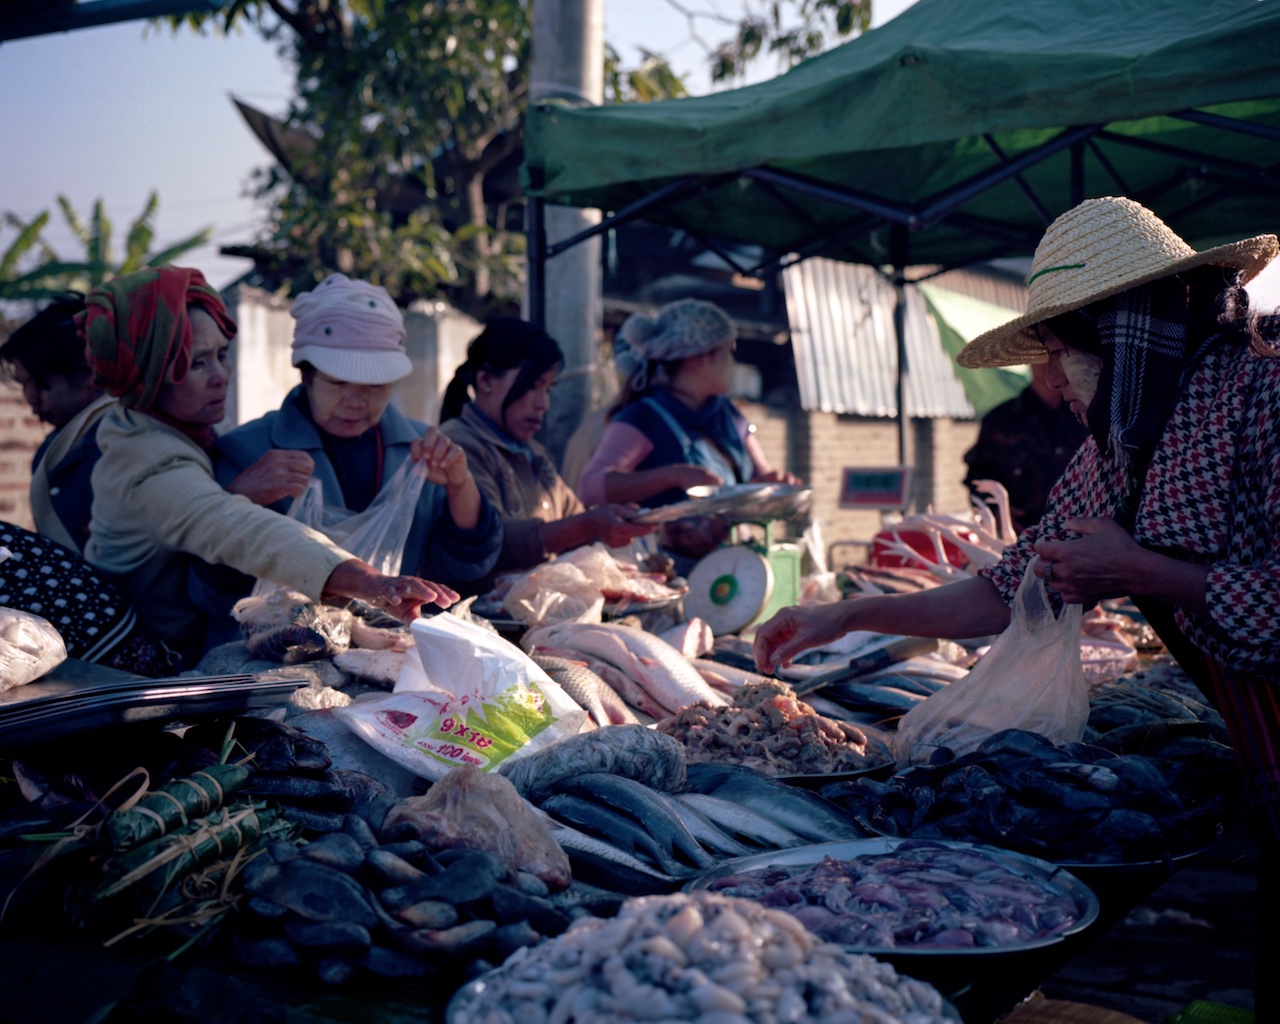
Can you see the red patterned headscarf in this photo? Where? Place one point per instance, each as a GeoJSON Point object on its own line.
{"type": "Point", "coordinates": [138, 335]}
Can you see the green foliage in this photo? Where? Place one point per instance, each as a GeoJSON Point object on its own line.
{"type": "Point", "coordinates": [767, 27]}
{"type": "Point", "coordinates": [416, 116]}
{"type": "Point", "coordinates": [30, 269]}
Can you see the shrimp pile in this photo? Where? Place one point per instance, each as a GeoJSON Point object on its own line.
{"type": "Point", "coordinates": [696, 956]}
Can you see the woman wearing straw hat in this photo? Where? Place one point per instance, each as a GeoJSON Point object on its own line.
{"type": "Point", "coordinates": [1175, 500]}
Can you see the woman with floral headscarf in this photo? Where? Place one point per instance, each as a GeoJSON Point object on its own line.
{"type": "Point", "coordinates": [159, 340]}
{"type": "Point", "coordinates": [673, 426]}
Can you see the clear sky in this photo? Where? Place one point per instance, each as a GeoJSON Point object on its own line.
{"type": "Point", "coordinates": [115, 112]}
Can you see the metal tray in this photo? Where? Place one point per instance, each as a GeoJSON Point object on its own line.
{"type": "Point", "coordinates": [740, 502]}
{"type": "Point", "coordinates": [1028, 867]}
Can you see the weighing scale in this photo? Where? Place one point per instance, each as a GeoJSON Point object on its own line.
{"type": "Point", "coordinates": [742, 584]}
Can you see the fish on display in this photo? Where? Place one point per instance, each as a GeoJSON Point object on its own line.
{"type": "Point", "coordinates": [726, 678]}
{"type": "Point", "coordinates": [644, 708]}
{"type": "Point", "coordinates": [602, 864]}
{"type": "Point", "coordinates": [806, 814]}
{"type": "Point", "coordinates": [644, 806]}
{"type": "Point", "coordinates": [737, 820]}
{"type": "Point", "coordinates": [663, 671]}
{"type": "Point", "coordinates": [628, 750]}
{"type": "Point", "coordinates": [584, 686]}
{"type": "Point", "coordinates": [617, 829]}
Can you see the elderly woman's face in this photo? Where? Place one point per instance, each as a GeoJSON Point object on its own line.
{"type": "Point", "coordinates": [1074, 373]}
{"type": "Point", "coordinates": [201, 398]}
{"type": "Point", "coordinates": [344, 409]}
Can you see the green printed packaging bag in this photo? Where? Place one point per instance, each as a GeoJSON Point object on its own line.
{"type": "Point", "coordinates": [465, 696]}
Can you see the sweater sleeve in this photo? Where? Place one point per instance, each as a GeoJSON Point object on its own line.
{"type": "Point", "coordinates": [621, 450]}
{"type": "Point", "coordinates": [189, 511]}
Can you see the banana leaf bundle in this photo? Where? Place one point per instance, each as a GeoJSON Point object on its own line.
{"type": "Point", "coordinates": [174, 805]}
{"type": "Point", "coordinates": [161, 861]}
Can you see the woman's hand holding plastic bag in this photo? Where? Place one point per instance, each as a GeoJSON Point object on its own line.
{"type": "Point", "coordinates": [1030, 678]}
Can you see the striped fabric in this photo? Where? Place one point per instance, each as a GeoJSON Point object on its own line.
{"type": "Point", "coordinates": [137, 332]}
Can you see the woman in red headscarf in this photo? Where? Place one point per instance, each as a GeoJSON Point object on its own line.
{"type": "Point", "coordinates": [159, 340]}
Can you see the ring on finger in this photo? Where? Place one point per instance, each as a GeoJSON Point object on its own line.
{"type": "Point", "coordinates": [1048, 572]}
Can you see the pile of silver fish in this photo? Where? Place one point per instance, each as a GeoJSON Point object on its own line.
{"type": "Point", "coordinates": [1078, 803]}
{"type": "Point", "coordinates": [918, 895]}
{"type": "Point", "coordinates": [635, 818]}
{"type": "Point", "coordinates": [650, 675]}
{"type": "Point", "coordinates": [695, 956]}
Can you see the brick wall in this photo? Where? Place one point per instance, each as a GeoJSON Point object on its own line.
{"type": "Point", "coordinates": [20, 436]}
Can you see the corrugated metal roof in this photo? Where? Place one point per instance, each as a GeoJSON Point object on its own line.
{"type": "Point", "coordinates": [845, 346]}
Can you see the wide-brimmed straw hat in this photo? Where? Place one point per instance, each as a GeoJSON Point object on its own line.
{"type": "Point", "coordinates": [1097, 249]}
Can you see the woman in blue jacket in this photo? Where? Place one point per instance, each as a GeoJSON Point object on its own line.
{"type": "Point", "coordinates": [339, 426]}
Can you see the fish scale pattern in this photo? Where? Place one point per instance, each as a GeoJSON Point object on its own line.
{"type": "Point", "coordinates": [1212, 494]}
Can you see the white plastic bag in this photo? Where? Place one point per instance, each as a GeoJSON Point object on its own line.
{"type": "Point", "coordinates": [29, 645]}
{"type": "Point", "coordinates": [465, 696]}
{"type": "Point", "coordinates": [1030, 678]}
{"type": "Point", "coordinates": [378, 534]}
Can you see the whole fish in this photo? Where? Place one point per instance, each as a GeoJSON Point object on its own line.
{"type": "Point", "coordinates": [726, 678]}
{"type": "Point", "coordinates": [632, 693]}
{"type": "Point", "coordinates": [740, 821]}
{"type": "Point", "coordinates": [645, 806]}
{"type": "Point", "coordinates": [598, 863]}
{"type": "Point", "coordinates": [615, 828]}
{"type": "Point", "coordinates": [586, 687]}
{"type": "Point", "coordinates": [806, 814]}
{"type": "Point", "coordinates": [652, 662]}
{"type": "Point", "coordinates": [710, 835]}
{"type": "Point", "coordinates": [630, 750]}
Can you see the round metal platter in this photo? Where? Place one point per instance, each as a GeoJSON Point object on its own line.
{"type": "Point", "coordinates": [1028, 867]}
{"type": "Point", "coordinates": [734, 501]}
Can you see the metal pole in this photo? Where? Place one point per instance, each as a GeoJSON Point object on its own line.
{"type": "Point", "coordinates": [536, 269]}
{"type": "Point", "coordinates": [568, 65]}
{"type": "Point", "coordinates": [898, 254]}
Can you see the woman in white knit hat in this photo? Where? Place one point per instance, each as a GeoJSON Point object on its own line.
{"type": "Point", "coordinates": [339, 425]}
{"type": "Point", "coordinates": [1174, 501]}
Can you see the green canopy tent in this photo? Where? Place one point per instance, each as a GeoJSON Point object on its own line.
{"type": "Point", "coordinates": [952, 134]}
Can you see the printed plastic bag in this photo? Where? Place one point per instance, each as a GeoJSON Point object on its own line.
{"type": "Point", "coordinates": [465, 696]}
{"type": "Point", "coordinates": [1030, 678]}
{"type": "Point", "coordinates": [29, 645]}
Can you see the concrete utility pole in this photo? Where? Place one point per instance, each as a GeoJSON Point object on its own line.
{"type": "Point", "coordinates": [568, 64]}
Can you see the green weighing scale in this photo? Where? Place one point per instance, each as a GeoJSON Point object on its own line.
{"type": "Point", "coordinates": [742, 583]}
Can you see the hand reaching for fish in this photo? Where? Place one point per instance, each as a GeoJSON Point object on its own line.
{"type": "Point", "coordinates": [401, 596]}
{"type": "Point", "coordinates": [795, 629]}
{"type": "Point", "coordinates": [280, 473]}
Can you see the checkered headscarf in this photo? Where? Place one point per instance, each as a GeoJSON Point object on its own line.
{"type": "Point", "coordinates": [1146, 353]}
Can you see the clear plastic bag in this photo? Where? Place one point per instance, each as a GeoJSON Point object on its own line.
{"type": "Point", "coordinates": [378, 534]}
{"type": "Point", "coordinates": [1030, 678]}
